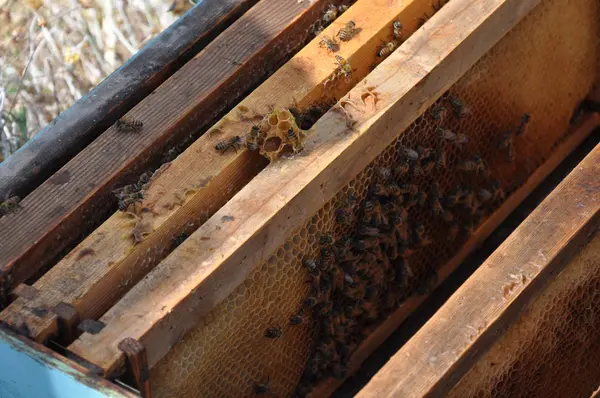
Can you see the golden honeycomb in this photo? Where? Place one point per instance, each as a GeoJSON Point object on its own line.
{"type": "Point", "coordinates": [552, 350]}
{"type": "Point", "coordinates": [543, 67]}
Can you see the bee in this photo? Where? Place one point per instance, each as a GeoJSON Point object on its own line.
{"type": "Point", "coordinates": [326, 240]}
{"type": "Point", "coordinates": [475, 165]}
{"type": "Point", "coordinates": [468, 227]}
{"type": "Point", "coordinates": [445, 134]}
{"type": "Point", "coordinates": [344, 68]}
{"type": "Point", "coordinates": [497, 191]}
{"type": "Point", "coordinates": [291, 135]}
{"type": "Point", "coordinates": [424, 152]}
{"type": "Point", "coordinates": [326, 255]}
{"type": "Point", "coordinates": [523, 125]}
{"type": "Point", "coordinates": [458, 107]}
{"type": "Point", "coordinates": [380, 190]}
{"type": "Point", "coordinates": [384, 173]}
{"type": "Point", "coordinates": [312, 266]}
{"type": "Point", "coordinates": [352, 198]}
{"type": "Point", "coordinates": [273, 332]}
{"type": "Point", "coordinates": [484, 195]}
{"type": "Point", "coordinates": [343, 8]}
{"type": "Point", "coordinates": [421, 198]}
{"type": "Point", "coordinates": [410, 189]}
{"type": "Point", "coordinates": [365, 230]}
{"type": "Point", "coordinates": [434, 202]}
{"type": "Point", "coordinates": [440, 158]}
{"type": "Point", "coordinates": [419, 235]}
{"type": "Point", "coordinates": [330, 44]}
{"type": "Point", "coordinates": [125, 125]}
{"type": "Point", "coordinates": [427, 165]}
{"type": "Point", "coordinates": [397, 28]}
{"type": "Point", "coordinates": [461, 139]}
{"type": "Point", "coordinates": [254, 131]}
{"type": "Point", "coordinates": [233, 142]}
{"type": "Point", "coordinates": [330, 15]}
{"type": "Point", "coordinates": [387, 49]}
{"type": "Point", "coordinates": [10, 205]}
{"type": "Point", "coordinates": [126, 202]}
{"type": "Point", "coordinates": [261, 388]}
{"type": "Point", "coordinates": [401, 168]}
{"type": "Point", "coordinates": [453, 197]}
{"type": "Point", "coordinates": [310, 302]}
{"type": "Point", "coordinates": [297, 319]}
{"type": "Point", "coordinates": [341, 216]}
{"type": "Point", "coordinates": [409, 153]}
{"type": "Point", "coordinates": [438, 112]}
{"type": "Point", "coordinates": [508, 144]}
{"type": "Point", "coordinates": [453, 231]}
{"type": "Point", "coordinates": [348, 31]}
{"type": "Point", "coordinates": [251, 145]}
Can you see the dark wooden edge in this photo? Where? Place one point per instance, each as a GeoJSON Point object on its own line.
{"type": "Point", "coordinates": [440, 378]}
{"type": "Point", "coordinates": [94, 203]}
{"type": "Point", "coordinates": [137, 364]}
{"type": "Point", "coordinates": [85, 375]}
{"type": "Point", "coordinates": [87, 118]}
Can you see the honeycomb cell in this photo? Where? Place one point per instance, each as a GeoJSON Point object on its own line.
{"type": "Point", "coordinates": [524, 73]}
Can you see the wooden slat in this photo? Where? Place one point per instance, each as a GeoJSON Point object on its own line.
{"type": "Point", "coordinates": [200, 273]}
{"type": "Point", "coordinates": [444, 349]}
{"type": "Point", "coordinates": [106, 264]}
{"type": "Point", "coordinates": [78, 197]}
{"type": "Point", "coordinates": [87, 118]}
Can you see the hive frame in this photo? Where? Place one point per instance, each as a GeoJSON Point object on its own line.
{"type": "Point", "coordinates": [408, 82]}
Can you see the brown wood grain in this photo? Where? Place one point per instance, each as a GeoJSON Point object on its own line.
{"type": "Point", "coordinates": [475, 317]}
{"type": "Point", "coordinates": [78, 197]}
{"type": "Point", "coordinates": [107, 263]}
{"type": "Point", "coordinates": [188, 284]}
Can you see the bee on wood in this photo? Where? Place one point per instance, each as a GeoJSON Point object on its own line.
{"type": "Point", "coordinates": [10, 205]}
{"type": "Point", "coordinates": [343, 8]}
{"type": "Point", "coordinates": [297, 319]}
{"type": "Point", "coordinates": [523, 125]}
{"type": "Point", "coordinates": [330, 15]}
{"type": "Point", "coordinates": [475, 165]}
{"type": "Point", "coordinates": [348, 31]}
{"type": "Point", "coordinates": [273, 332]}
{"type": "Point", "coordinates": [125, 125]}
{"type": "Point", "coordinates": [397, 29]}
{"type": "Point", "coordinates": [401, 168]}
{"type": "Point", "coordinates": [445, 134]}
{"type": "Point", "coordinates": [409, 153]}
{"type": "Point", "coordinates": [326, 239]}
{"type": "Point", "coordinates": [233, 142]}
{"type": "Point", "coordinates": [387, 49]}
{"type": "Point", "coordinates": [261, 388]}
{"type": "Point", "coordinates": [440, 158]}
{"type": "Point", "coordinates": [458, 106]}
{"type": "Point", "coordinates": [330, 44]}
{"type": "Point", "coordinates": [344, 68]}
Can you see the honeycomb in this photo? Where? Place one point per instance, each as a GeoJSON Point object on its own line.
{"type": "Point", "coordinates": [552, 350]}
{"type": "Point", "coordinates": [537, 69]}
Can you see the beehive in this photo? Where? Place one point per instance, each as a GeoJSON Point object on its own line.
{"type": "Point", "coordinates": [536, 69]}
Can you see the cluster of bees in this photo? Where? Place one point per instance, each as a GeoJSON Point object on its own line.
{"type": "Point", "coordinates": [10, 205]}
{"type": "Point", "coordinates": [361, 277]}
{"type": "Point", "coordinates": [132, 193]}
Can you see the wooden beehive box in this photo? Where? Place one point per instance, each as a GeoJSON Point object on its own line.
{"type": "Point", "coordinates": [484, 96]}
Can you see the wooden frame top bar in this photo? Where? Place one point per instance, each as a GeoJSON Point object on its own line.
{"type": "Point", "coordinates": [187, 285]}
{"type": "Point", "coordinates": [443, 350]}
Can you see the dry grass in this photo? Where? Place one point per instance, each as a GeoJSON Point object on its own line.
{"type": "Point", "coordinates": [54, 51]}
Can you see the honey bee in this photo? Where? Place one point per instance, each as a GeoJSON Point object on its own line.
{"type": "Point", "coordinates": [497, 191]}
{"type": "Point", "coordinates": [468, 227]}
{"type": "Point", "coordinates": [427, 165]}
{"type": "Point", "coordinates": [251, 145]}
{"type": "Point", "coordinates": [508, 144]}
{"type": "Point", "coordinates": [330, 15]}
{"type": "Point", "coordinates": [523, 125]}
{"type": "Point", "coordinates": [453, 197]}
{"type": "Point", "coordinates": [297, 319]}
{"type": "Point", "coordinates": [424, 152]}
{"type": "Point", "coordinates": [261, 388]}
{"type": "Point", "coordinates": [445, 134]}
{"type": "Point", "coordinates": [341, 216]}
{"type": "Point", "coordinates": [440, 158]}
{"type": "Point", "coordinates": [365, 230]}
{"type": "Point", "coordinates": [419, 235]}
{"type": "Point", "coordinates": [310, 302]}
{"type": "Point", "coordinates": [352, 198]}
{"type": "Point", "coordinates": [379, 190]}
{"type": "Point", "coordinates": [484, 195]}
{"type": "Point", "coordinates": [387, 49]}
{"type": "Point", "coordinates": [326, 255]}
{"type": "Point", "coordinates": [125, 125]}
{"type": "Point", "coordinates": [458, 107]}
{"type": "Point", "coordinates": [311, 265]}
{"type": "Point", "coordinates": [397, 28]}
{"type": "Point", "coordinates": [233, 142]}
{"type": "Point", "coordinates": [409, 153]}
{"type": "Point", "coordinates": [461, 139]}
{"type": "Point", "coordinates": [343, 8]}
{"type": "Point", "coordinates": [384, 173]}
{"type": "Point", "coordinates": [344, 68]}
{"type": "Point", "coordinates": [438, 112]}
{"type": "Point", "coordinates": [326, 239]}
{"type": "Point", "coordinates": [421, 198]}
{"type": "Point", "coordinates": [348, 31]}
{"type": "Point", "coordinates": [453, 231]}
{"type": "Point", "coordinates": [410, 189]}
{"type": "Point", "coordinates": [330, 44]}
{"type": "Point", "coordinates": [273, 332]}
{"type": "Point", "coordinates": [475, 165]}
{"type": "Point", "coordinates": [434, 202]}
{"type": "Point", "coordinates": [10, 205]}
{"type": "Point", "coordinates": [291, 135]}
{"type": "Point", "coordinates": [401, 168]}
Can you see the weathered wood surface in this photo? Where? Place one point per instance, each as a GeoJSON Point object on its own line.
{"type": "Point", "coordinates": [200, 273]}
{"type": "Point", "coordinates": [72, 202]}
{"type": "Point", "coordinates": [87, 118]}
{"type": "Point", "coordinates": [476, 316]}
{"type": "Point", "coordinates": [96, 273]}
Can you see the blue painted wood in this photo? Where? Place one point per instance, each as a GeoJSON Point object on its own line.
{"type": "Point", "coordinates": [27, 372]}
